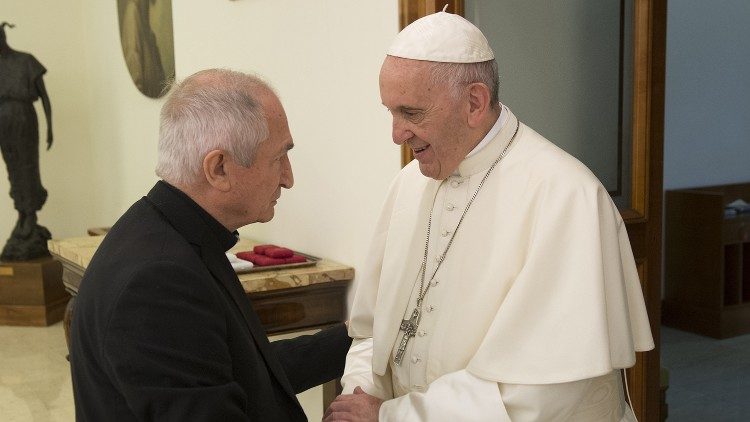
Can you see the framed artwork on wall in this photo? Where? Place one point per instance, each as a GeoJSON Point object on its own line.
{"type": "Point", "coordinates": [147, 42]}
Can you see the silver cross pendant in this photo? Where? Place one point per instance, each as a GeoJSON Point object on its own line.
{"type": "Point", "coordinates": [409, 327]}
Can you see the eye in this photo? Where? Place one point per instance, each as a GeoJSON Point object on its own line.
{"type": "Point", "coordinates": [411, 114]}
{"type": "Point", "coordinates": [282, 157]}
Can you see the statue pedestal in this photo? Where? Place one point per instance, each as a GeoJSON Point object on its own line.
{"type": "Point", "coordinates": [32, 292]}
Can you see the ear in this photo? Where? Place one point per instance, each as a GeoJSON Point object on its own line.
{"type": "Point", "coordinates": [216, 169]}
{"type": "Point", "coordinates": [479, 103]}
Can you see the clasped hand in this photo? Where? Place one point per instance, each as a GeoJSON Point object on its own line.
{"type": "Point", "coordinates": [355, 407]}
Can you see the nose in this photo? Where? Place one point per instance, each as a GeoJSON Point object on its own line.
{"type": "Point", "coordinates": [400, 132]}
{"type": "Point", "coordinates": [287, 177]}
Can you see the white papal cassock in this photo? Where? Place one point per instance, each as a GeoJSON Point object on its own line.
{"type": "Point", "coordinates": [535, 308]}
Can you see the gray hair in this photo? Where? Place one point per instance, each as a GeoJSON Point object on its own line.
{"type": "Point", "coordinates": [212, 109]}
{"type": "Point", "coordinates": [458, 75]}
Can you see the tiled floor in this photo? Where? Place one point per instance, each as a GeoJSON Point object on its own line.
{"type": "Point", "coordinates": [35, 377]}
{"type": "Point", "coordinates": [709, 379]}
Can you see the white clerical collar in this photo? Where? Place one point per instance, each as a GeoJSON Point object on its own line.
{"type": "Point", "coordinates": [497, 139]}
{"type": "Point", "coordinates": [501, 120]}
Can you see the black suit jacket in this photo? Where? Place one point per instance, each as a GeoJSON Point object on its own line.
{"type": "Point", "coordinates": [162, 329]}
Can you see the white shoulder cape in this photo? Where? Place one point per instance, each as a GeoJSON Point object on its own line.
{"type": "Point", "coordinates": [547, 288]}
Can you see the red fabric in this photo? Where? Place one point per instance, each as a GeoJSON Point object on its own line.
{"type": "Point", "coordinates": [271, 255]}
{"type": "Point", "coordinates": [277, 252]}
{"type": "Point", "coordinates": [261, 249]}
{"type": "Point", "coordinates": [295, 259]}
{"type": "Point", "coordinates": [247, 256]}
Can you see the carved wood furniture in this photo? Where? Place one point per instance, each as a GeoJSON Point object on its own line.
{"type": "Point", "coordinates": [707, 261]}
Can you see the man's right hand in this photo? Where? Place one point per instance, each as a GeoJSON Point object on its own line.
{"type": "Point", "coordinates": [356, 407]}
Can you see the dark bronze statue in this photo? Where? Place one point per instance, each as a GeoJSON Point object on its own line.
{"type": "Point", "coordinates": [21, 84]}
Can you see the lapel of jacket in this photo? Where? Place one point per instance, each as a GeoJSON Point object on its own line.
{"type": "Point", "coordinates": [183, 216]}
{"type": "Point", "coordinates": [222, 271]}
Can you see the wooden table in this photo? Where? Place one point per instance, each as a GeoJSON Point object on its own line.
{"type": "Point", "coordinates": [288, 300]}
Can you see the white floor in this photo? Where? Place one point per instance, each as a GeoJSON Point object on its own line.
{"type": "Point", "coordinates": [35, 377]}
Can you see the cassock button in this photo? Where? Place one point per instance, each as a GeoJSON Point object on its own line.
{"type": "Point", "coordinates": [450, 207]}
{"type": "Point", "coordinates": [455, 183]}
{"type": "Point", "coordinates": [435, 283]}
{"type": "Point", "coordinates": [430, 308]}
{"type": "Point", "coordinates": [421, 333]}
{"type": "Point", "coordinates": [445, 233]}
{"type": "Point", "coordinates": [415, 359]}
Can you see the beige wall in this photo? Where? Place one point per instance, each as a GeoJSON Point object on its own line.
{"type": "Point", "coordinates": [322, 57]}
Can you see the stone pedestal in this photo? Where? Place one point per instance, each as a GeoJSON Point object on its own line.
{"type": "Point", "coordinates": [32, 292]}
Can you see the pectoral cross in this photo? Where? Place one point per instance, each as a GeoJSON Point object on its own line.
{"type": "Point", "coordinates": [409, 327]}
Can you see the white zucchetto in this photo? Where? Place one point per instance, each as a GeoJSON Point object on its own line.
{"type": "Point", "coordinates": [442, 37]}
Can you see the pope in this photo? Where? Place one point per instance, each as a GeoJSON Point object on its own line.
{"type": "Point", "coordinates": [501, 284]}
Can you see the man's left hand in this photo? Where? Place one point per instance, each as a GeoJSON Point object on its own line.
{"type": "Point", "coordinates": [356, 407]}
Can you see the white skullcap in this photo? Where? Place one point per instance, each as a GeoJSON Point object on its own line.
{"type": "Point", "coordinates": [442, 37]}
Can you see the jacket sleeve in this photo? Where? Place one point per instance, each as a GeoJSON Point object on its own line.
{"type": "Point", "coordinates": [166, 349]}
{"type": "Point", "coordinates": [312, 360]}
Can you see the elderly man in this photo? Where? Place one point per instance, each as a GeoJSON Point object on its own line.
{"type": "Point", "coordinates": [162, 327]}
{"type": "Point", "coordinates": [501, 284]}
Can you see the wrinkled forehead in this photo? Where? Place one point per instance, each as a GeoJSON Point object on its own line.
{"type": "Point", "coordinates": [275, 115]}
{"type": "Point", "coordinates": [406, 73]}
{"type": "Point", "coordinates": [273, 109]}
{"type": "Point", "coordinates": [407, 77]}
{"type": "Point", "coordinates": [400, 67]}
